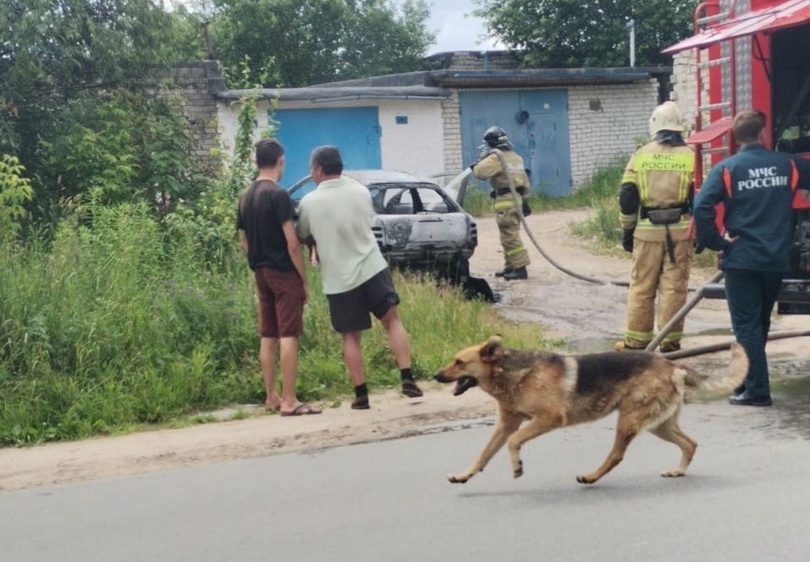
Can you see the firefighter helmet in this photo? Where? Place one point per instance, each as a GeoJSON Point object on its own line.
{"type": "Point", "coordinates": [666, 117]}
{"type": "Point", "coordinates": [496, 137]}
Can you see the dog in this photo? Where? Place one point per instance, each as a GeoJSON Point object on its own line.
{"type": "Point", "coordinates": [549, 391]}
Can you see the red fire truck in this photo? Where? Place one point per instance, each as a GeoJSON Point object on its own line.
{"type": "Point", "coordinates": [756, 54]}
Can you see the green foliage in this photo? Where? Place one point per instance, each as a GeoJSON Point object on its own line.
{"type": "Point", "coordinates": [66, 67]}
{"type": "Point", "coordinates": [476, 200]}
{"type": "Point", "coordinates": [208, 222]}
{"type": "Point", "coordinates": [15, 192]}
{"type": "Point", "coordinates": [125, 147]}
{"type": "Point", "coordinates": [601, 194]}
{"type": "Point", "coordinates": [115, 326]}
{"type": "Point", "coordinates": [572, 34]}
{"type": "Point", "coordinates": [301, 42]}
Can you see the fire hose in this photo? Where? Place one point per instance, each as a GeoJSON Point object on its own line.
{"type": "Point", "coordinates": [698, 295]}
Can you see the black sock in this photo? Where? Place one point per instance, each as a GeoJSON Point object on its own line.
{"type": "Point", "coordinates": [361, 390]}
{"type": "Point", "coordinates": [406, 374]}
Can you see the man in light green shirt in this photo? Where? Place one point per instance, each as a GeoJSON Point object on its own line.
{"type": "Point", "coordinates": [356, 280]}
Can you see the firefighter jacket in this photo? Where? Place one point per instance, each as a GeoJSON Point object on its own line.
{"type": "Point", "coordinates": [657, 182]}
{"type": "Point", "coordinates": [756, 187]}
{"type": "Point", "coordinates": [489, 168]}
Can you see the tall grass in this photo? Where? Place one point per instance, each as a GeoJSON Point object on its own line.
{"type": "Point", "coordinates": [601, 194]}
{"type": "Point", "coordinates": [120, 325]}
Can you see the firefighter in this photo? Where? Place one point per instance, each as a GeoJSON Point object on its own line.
{"type": "Point", "coordinates": [654, 212]}
{"type": "Point", "coordinates": [516, 257]}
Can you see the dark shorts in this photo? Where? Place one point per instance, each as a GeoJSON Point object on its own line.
{"type": "Point", "coordinates": [281, 303]}
{"type": "Point", "coordinates": [349, 311]}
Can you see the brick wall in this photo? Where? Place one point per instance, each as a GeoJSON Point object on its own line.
{"type": "Point", "coordinates": [606, 123]}
{"type": "Point", "coordinates": [684, 85]}
{"type": "Point", "coordinates": [451, 116]}
{"type": "Point", "coordinates": [192, 87]}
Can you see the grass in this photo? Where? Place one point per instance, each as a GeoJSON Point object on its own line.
{"type": "Point", "coordinates": [119, 326]}
{"type": "Point", "coordinates": [122, 324]}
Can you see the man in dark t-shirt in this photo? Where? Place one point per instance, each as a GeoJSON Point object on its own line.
{"type": "Point", "coordinates": [267, 236]}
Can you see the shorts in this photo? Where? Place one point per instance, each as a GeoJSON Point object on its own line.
{"type": "Point", "coordinates": [281, 303]}
{"type": "Point", "coordinates": [349, 311]}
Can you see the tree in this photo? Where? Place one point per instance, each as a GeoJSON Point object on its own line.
{"type": "Point", "coordinates": [301, 42]}
{"type": "Point", "coordinates": [571, 33]}
{"type": "Point", "coordinates": [61, 62]}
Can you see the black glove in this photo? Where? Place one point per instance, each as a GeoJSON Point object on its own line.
{"type": "Point", "coordinates": [472, 166]}
{"type": "Point", "coordinates": [527, 210]}
{"type": "Point", "coordinates": [492, 194]}
{"type": "Point", "coordinates": [627, 239]}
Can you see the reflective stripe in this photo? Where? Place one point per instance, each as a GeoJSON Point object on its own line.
{"type": "Point", "coordinates": [502, 205]}
{"type": "Point", "coordinates": [627, 221]}
{"type": "Point", "coordinates": [667, 162]}
{"type": "Point", "coordinates": [629, 176]}
{"type": "Point", "coordinates": [638, 336]}
{"type": "Point", "coordinates": [794, 176]}
{"type": "Point", "coordinates": [727, 182]}
{"type": "Point", "coordinates": [672, 336]}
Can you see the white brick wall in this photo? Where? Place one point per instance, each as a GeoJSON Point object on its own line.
{"type": "Point", "coordinates": [451, 115]}
{"type": "Point", "coordinates": [684, 85]}
{"type": "Point", "coordinates": [601, 136]}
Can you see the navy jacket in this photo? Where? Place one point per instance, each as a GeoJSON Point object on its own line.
{"type": "Point", "coordinates": [757, 188]}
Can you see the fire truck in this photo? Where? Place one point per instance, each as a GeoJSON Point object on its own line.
{"type": "Point", "coordinates": [755, 54]}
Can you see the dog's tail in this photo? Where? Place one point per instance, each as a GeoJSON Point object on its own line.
{"type": "Point", "coordinates": [733, 378]}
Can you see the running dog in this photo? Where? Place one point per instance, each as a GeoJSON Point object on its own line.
{"type": "Point", "coordinates": [552, 391]}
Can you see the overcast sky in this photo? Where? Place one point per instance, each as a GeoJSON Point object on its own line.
{"type": "Point", "coordinates": [455, 27]}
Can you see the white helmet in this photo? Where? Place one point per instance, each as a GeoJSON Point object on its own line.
{"type": "Point", "coordinates": [666, 117]}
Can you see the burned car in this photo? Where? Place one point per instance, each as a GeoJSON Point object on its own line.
{"type": "Point", "coordinates": [417, 224]}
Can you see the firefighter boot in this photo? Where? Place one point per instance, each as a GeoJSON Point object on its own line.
{"type": "Point", "coordinates": [502, 272]}
{"type": "Point", "coordinates": [516, 274]}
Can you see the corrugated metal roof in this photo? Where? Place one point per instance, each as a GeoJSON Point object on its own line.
{"type": "Point", "coordinates": [435, 84]}
{"type": "Point", "coordinates": [324, 93]}
{"type": "Point", "coordinates": [542, 77]}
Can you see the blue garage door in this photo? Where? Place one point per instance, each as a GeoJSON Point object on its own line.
{"type": "Point", "coordinates": [354, 130]}
{"type": "Point", "coordinates": [537, 125]}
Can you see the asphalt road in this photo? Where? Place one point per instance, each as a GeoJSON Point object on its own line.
{"type": "Point", "coordinates": [746, 498]}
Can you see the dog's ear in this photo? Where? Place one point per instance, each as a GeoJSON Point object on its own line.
{"type": "Point", "coordinates": [491, 350]}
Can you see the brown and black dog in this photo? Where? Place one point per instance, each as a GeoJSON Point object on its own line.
{"type": "Point", "coordinates": [552, 391]}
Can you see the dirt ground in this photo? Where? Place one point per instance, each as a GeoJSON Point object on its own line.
{"type": "Point", "coordinates": [587, 316]}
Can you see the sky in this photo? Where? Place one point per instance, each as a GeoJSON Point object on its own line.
{"type": "Point", "coordinates": [455, 27]}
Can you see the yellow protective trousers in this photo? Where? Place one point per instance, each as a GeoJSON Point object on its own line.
{"type": "Point", "coordinates": [654, 274]}
{"type": "Point", "coordinates": [515, 254]}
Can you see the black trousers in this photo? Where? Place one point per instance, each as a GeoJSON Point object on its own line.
{"type": "Point", "coordinates": [751, 296]}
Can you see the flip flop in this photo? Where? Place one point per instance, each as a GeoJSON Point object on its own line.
{"type": "Point", "coordinates": [302, 410]}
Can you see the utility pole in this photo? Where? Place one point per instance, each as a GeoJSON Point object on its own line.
{"type": "Point", "coordinates": [631, 25]}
